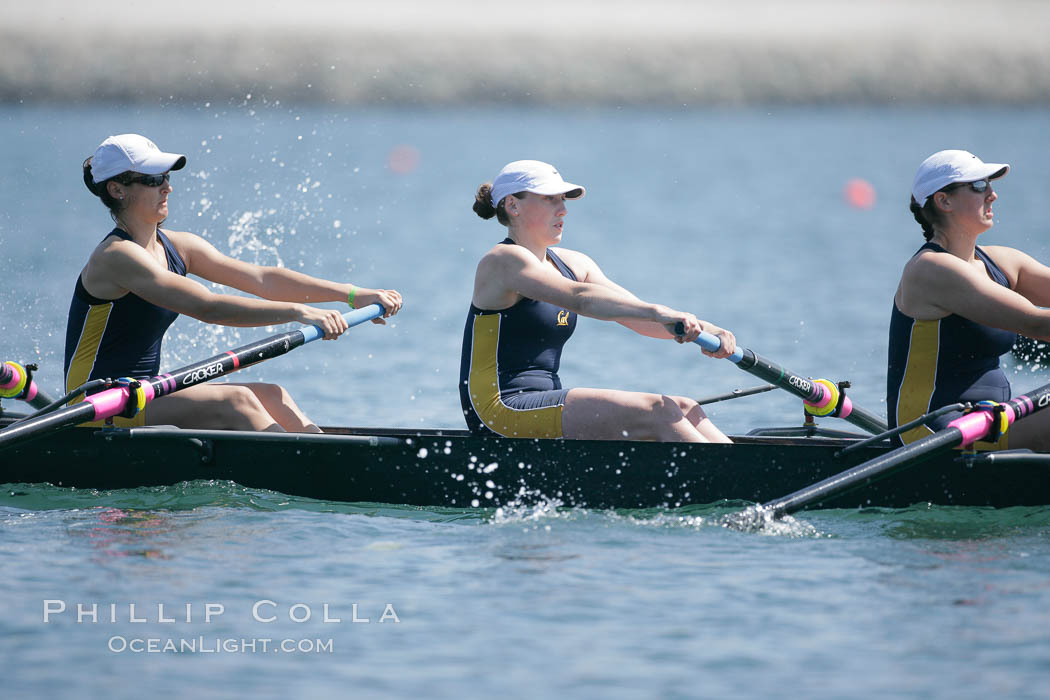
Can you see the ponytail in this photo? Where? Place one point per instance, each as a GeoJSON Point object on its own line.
{"type": "Point", "coordinates": [926, 216]}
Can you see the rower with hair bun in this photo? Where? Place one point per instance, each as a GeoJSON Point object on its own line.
{"type": "Point", "coordinates": [959, 306]}
{"type": "Point", "coordinates": [527, 295]}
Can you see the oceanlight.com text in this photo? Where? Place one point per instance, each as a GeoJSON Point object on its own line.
{"type": "Point", "coordinates": [218, 645]}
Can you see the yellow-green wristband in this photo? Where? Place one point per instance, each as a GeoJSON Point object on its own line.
{"type": "Point", "coordinates": [350, 296]}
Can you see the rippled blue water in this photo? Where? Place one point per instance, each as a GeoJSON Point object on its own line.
{"type": "Point", "coordinates": [737, 215]}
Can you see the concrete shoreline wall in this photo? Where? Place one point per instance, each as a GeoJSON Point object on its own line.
{"type": "Point", "coordinates": [677, 52]}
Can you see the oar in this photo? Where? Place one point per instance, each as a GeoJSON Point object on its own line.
{"type": "Point", "coordinates": [965, 430]}
{"type": "Point", "coordinates": [736, 394]}
{"type": "Point", "coordinates": [821, 394]}
{"type": "Point", "coordinates": [128, 399]}
{"type": "Point", "coordinates": [16, 382]}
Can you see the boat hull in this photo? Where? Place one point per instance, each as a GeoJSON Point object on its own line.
{"type": "Point", "coordinates": [451, 468]}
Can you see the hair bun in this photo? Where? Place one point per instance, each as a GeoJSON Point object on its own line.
{"type": "Point", "coordinates": [483, 202]}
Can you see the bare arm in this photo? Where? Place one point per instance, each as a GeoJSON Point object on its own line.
{"type": "Point", "coordinates": [123, 266]}
{"type": "Point", "coordinates": [508, 273]}
{"type": "Point", "coordinates": [1030, 278]}
{"type": "Point", "coordinates": [937, 284]}
{"type": "Point", "coordinates": [274, 283]}
{"type": "Point", "coordinates": [583, 264]}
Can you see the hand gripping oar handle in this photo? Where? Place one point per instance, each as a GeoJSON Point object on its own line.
{"type": "Point", "coordinates": [113, 401]}
{"type": "Point", "coordinates": [821, 394]}
{"type": "Point", "coordinates": [129, 398]}
{"type": "Point", "coordinates": [711, 343]}
{"type": "Point", "coordinates": [353, 318]}
{"type": "Point", "coordinates": [964, 430]}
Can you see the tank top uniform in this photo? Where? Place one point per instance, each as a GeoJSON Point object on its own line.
{"type": "Point", "coordinates": [508, 382]}
{"type": "Point", "coordinates": [112, 338]}
{"type": "Point", "coordinates": [944, 361]}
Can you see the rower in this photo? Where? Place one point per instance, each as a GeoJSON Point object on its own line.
{"type": "Point", "coordinates": [527, 295]}
{"type": "Point", "coordinates": [134, 285]}
{"type": "Point", "coordinates": [959, 306]}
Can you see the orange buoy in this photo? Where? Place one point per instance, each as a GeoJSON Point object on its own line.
{"type": "Point", "coordinates": [859, 194]}
{"type": "Point", "coordinates": [403, 159]}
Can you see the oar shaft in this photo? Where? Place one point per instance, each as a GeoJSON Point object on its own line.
{"type": "Point", "coordinates": [964, 430]}
{"type": "Point", "coordinates": [807, 390]}
{"type": "Point", "coordinates": [206, 370]}
{"type": "Point", "coordinates": [112, 402]}
{"type": "Point", "coordinates": [867, 472]}
{"type": "Point", "coordinates": [71, 415]}
{"type": "Point", "coordinates": [773, 373]}
{"type": "Point", "coordinates": [736, 394]}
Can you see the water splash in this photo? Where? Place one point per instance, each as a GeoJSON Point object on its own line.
{"type": "Point", "coordinates": [726, 515]}
{"type": "Point", "coordinates": [765, 521]}
{"type": "Point", "coordinates": [189, 341]}
{"type": "Point", "coordinates": [532, 506]}
{"type": "Point", "coordinates": [250, 238]}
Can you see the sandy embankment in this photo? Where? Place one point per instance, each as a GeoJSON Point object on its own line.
{"type": "Point", "coordinates": [584, 51]}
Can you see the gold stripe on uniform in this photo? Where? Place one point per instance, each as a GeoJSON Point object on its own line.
{"type": "Point", "coordinates": [920, 375]}
{"type": "Point", "coordinates": [84, 360]}
{"type": "Point", "coordinates": [920, 381]}
{"type": "Point", "coordinates": [483, 387]}
{"type": "Point", "coordinates": [87, 346]}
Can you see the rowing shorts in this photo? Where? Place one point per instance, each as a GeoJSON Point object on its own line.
{"type": "Point", "coordinates": [535, 414]}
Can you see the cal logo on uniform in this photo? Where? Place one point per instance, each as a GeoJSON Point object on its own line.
{"type": "Point", "coordinates": [563, 318]}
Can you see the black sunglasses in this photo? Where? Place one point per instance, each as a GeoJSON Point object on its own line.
{"type": "Point", "coordinates": [978, 186]}
{"type": "Point", "coordinates": [147, 180]}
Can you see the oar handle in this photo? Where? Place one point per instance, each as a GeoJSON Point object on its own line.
{"type": "Point", "coordinates": [353, 318]}
{"type": "Point", "coordinates": [711, 343]}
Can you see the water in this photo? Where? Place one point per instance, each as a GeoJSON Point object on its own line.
{"type": "Point", "coordinates": [737, 215]}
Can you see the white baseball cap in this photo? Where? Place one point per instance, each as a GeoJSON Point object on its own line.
{"type": "Point", "coordinates": [131, 152]}
{"type": "Point", "coordinates": [532, 176]}
{"type": "Point", "coordinates": [945, 167]}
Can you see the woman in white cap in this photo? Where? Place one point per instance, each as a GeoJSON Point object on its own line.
{"type": "Point", "coordinates": [526, 297]}
{"type": "Point", "coordinates": [134, 285]}
{"type": "Point", "coordinates": [959, 305]}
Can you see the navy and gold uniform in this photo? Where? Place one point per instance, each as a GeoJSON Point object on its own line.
{"type": "Point", "coordinates": [508, 380]}
{"type": "Point", "coordinates": [111, 338]}
{"type": "Point", "coordinates": [944, 361]}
